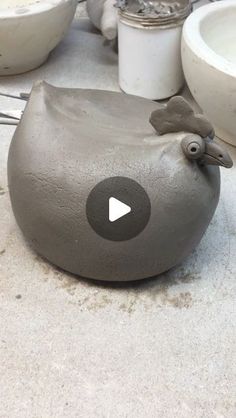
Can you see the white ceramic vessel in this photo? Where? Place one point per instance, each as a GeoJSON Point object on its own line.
{"type": "Point", "coordinates": [150, 51]}
{"type": "Point", "coordinates": [30, 30]}
{"type": "Point", "coordinates": [150, 61]}
{"type": "Point", "coordinates": [209, 63]}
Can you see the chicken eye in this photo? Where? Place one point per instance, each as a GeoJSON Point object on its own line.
{"type": "Point", "coordinates": [194, 148]}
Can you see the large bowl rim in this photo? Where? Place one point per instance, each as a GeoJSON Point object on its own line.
{"type": "Point", "coordinates": [32, 9]}
{"type": "Point", "coordinates": [193, 38]}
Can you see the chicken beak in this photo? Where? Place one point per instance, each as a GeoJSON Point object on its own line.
{"type": "Point", "coordinates": [216, 155]}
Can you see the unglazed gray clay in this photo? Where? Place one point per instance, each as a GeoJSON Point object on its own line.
{"type": "Point", "coordinates": [103, 15]}
{"type": "Point", "coordinates": [67, 142]}
{"type": "Point", "coordinates": [179, 116]}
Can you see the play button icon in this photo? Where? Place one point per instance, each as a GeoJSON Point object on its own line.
{"type": "Point", "coordinates": [118, 208]}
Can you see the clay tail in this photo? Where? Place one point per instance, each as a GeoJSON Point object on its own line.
{"type": "Point", "coordinates": [109, 20]}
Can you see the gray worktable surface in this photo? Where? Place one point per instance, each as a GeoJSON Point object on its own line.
{"type": "Point", "coordinates": [165, 347]}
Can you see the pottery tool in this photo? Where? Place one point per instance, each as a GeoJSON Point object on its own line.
{"type": "Point", "coordinates": [22, 96]}
{"type": "Point", "coordinates": [10, 117]}
{"type": "Point", "coordinates": [6, 121]}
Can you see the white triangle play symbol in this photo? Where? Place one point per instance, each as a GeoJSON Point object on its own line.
{"type": "Point", "coordinates": [117, 209]}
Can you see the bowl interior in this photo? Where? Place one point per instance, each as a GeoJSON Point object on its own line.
{"type": "Point", "coordinates": [13, 4]}
{"type": "Point", "coordinates": [218, 30]}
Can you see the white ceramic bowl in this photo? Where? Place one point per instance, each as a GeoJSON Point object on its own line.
{"type": "Point", "coordinates": [209, 63]}
{"type": "Point", "coordinates": [30, 30]}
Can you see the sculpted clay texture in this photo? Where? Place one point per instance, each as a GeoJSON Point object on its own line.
{"type": "Point", "coordinates": [67, 142]}
{"type": "Point", "coordinates": [103, 14]}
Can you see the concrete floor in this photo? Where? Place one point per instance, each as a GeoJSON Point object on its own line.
{"type": "Point", "coordinates": [73, 348]}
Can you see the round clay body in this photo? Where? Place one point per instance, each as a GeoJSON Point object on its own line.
{"type": "Point", "coordinates": [70, 140]}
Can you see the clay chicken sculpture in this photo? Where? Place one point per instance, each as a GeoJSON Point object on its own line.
{"type": "Point", "coordinates": [103, 15]}
{"type": "Point", "coordinates": [70, 140]}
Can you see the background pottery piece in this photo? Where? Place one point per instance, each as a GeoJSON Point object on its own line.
{"type": "Point", "coordinates": [150, 48]}
{"type": "Point", "coordinates": [209, 63]}
{"type": "Point", "coordinates": [30, 30]}
{"type": "Point", "coordinates": [103, 15]}
{"type": "Point", "coordinates": [70, 140]}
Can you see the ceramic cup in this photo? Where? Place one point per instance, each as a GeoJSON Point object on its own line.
{"type": "Point", "coordinates": [149, 52]}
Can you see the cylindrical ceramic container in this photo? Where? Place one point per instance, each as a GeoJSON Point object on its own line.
{"type": "Point", "coordinates": [150, 48]}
